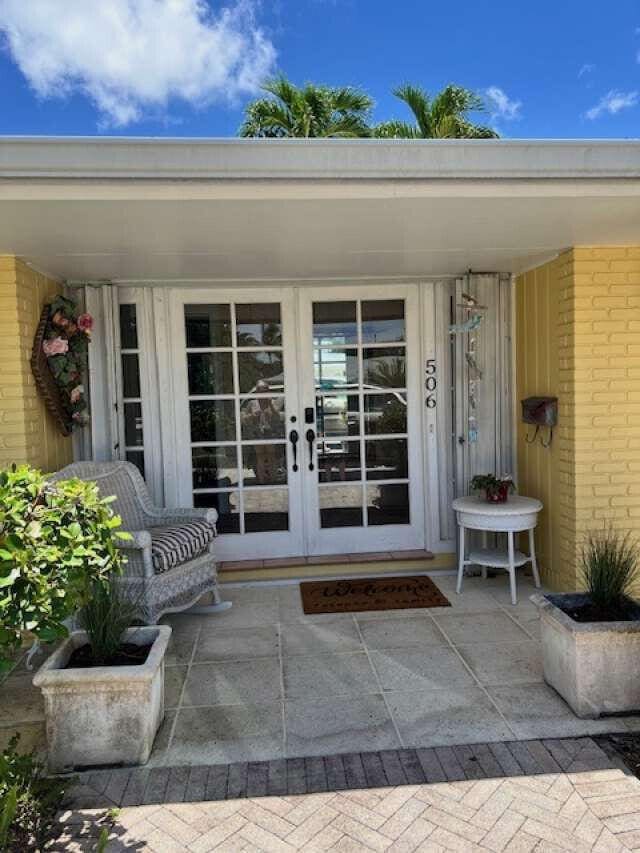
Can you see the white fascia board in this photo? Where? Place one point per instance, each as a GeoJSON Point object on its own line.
{"type": "Point", "coordinates": [219, 159]}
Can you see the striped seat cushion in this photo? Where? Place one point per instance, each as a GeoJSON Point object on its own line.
{"type": "Point", "coordinates": [172, 546]}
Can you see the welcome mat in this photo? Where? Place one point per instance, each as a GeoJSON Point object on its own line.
{"type": "Point", "coordinates": [360, 594]}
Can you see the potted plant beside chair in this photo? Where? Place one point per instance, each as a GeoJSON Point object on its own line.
{"type": "Point", "coordinates": [591, 640]}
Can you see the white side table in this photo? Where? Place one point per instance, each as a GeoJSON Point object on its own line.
{"type": "Point", "coordinates": [516, 515]}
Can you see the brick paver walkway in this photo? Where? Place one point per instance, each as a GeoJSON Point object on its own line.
{"type": "Point", "coordinates": [553, 795]}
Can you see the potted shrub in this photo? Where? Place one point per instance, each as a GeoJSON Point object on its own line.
{"type": "Point", "coordinates": [591, 640]}
{"type": "Point", "coordinates": [496, 489]}
{"type": "Point", "coordinates": [104, 686]}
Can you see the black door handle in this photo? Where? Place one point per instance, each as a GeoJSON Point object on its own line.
{"type": "Point", "coordinates": [310, 436]}
{"type": "Point", "coordinates": [293, 438]}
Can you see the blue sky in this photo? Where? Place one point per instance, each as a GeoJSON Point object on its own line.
{"type": "Point", "coordinates": [187, 67]}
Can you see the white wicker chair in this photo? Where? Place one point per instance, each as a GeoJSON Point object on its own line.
{"type": "Point", "coordinates": [170, 557]}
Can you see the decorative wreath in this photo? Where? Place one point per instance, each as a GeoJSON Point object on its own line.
{"type": "Point", "coordinates": [65, 340]}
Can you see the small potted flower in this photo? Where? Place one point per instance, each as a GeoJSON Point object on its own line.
{"type": "Point", "coordinates": [496, 489]}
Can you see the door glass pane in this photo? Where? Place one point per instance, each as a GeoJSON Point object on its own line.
{"type": "Point", "coordinates": [262, 417]}
{"type": "Point", "coordinates": [260, 372]}
{"type": "Point", "coordinates": [128, 327]}
{"type": "Point", "coordinates": [228, 506]}
{"type": "Point", "coordinates": [383, 321]}
{"type": "Point", "coordinates": [210, 373]}
{"type": "Point", "coordinates": [259, 325]}
{"type": "Point", "coordinates": [133, 424]}
{"type": "Point", "coordinates": [130, 376]}
{"type": "Point", "coordinates": [208, 325]}
{"type": "Point", "coordinates": [384, 367]}
{"type": "Point", "coordinates": [385, 414]}
{"type": "Point", "coordinates": [337, 415]}
{"type": "Point", "coordinates": [214, 467]}
{"type": "Point", "coordinates": [213, 420]}
{"type": "Point", "coordinates": [264, 464]}
{"type": "Point", "coordinates": [266, 509]}
{"type": "Point", "coordinates": [334, 323]}
{"type": "Point", "coordinates": [386, 459]}
{"type": "Point", "coordinates": [340, 506]}
{"type": "Point", "coordinates": [388, 503]}
{"type": "Point", "coordinates": [335, 368]}
{"type": "Point", "coordinates": [338, 461]}
{"type": "Point", "coordinates": [137, 457]}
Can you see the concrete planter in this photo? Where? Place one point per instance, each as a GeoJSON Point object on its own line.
{"type": "Point", "coordinates": [594, 666]}
{"type": "Point", "coordinates": [105, 714]}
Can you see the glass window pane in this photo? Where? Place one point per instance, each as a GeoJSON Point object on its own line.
{"type": "Point", "coordinates": [133, 425]}
{"type": "Point", "coordinates": [386, 459]}
{"type": "Point", "coordinates": [259, 325]}
{"type": "Point", "coordinates": [214, 467]}
{"type": "Point", "coordinates": [266, 510]}
{"type": "Point", "coordinates": [338, 461]}
{"type": "Point", "coordinates": [385, 414]}
{"type": "Point", "coordinates": [334, 323]}
{"type": "Point", "coordinates": [210, 373]}
{"type": "Point", "coordinates": [384, 367]}
{"type": "Point", "coordinates": [382, 321]}
{"type": "Point", "coordinates": [262, 417]}
{"type": "Point", "coordinates": [337, 415]}
{"type": "Point", "coordinates": [264, 464]}
{"type": "Point", "coordinates": [213, 420]}
{"type": "Point", "coordinates": [340, 506]}
{"type": "Point", "coordinates": [335, 368]}
{"type": "Point", "coordinates": [128, 327]}
{"type": "Point", "coordinates": [228, 506]}
{"type": "Point", "coordinates": [137, 457]}
{"type": "Point", "coordinates": [388, 503]}
{"type": "Point", "coordinates": [260, 372]}
{"type": "Point", "coordinates": [130, 376]}
{"type": "Point", "coordinates": [207, 325]}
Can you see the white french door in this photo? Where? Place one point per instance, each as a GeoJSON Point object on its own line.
{"type": "Point", "coordinates": [298, 416]}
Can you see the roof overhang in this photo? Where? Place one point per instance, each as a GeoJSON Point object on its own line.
{"type": "Point", "coordinates": [148, 209]}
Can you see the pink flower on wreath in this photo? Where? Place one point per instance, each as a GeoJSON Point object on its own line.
{"type": "Point", "coordinates": [55, 346]}
{"type": "Point", "coordinates": [85, 322]}
{"type": "Point", "coordinates": [76, 393]}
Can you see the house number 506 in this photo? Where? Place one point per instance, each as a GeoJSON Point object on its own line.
{"type": "Point", "coordinates": [430, 383]}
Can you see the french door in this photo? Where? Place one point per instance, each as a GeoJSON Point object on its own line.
{"type": "Point", "coordinates": [297, 415]}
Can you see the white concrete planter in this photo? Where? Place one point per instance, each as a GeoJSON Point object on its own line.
{"type": "Point", "coordinates": [104, 714]}
{"type": "Point", "coordinates": [594, 666]}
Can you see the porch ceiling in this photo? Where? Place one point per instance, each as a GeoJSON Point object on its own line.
{"type": "Point", "coordinates": [363, 219]}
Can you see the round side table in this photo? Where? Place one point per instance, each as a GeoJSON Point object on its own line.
{"type": "Point", "coordinates": [514, 516]}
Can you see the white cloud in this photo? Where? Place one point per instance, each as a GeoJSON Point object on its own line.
{"type": "Point", "coordinates": [587, 68]}
{"type": "Point", "coordinates": [612, 103]}
{"type": "Point", "coordinates": [130, 57]}
{"type": "Point", "coordinates": [501, 106]}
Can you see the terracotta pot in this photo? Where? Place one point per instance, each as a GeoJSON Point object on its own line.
{"type": "Point", "coordinates": [500, 496]}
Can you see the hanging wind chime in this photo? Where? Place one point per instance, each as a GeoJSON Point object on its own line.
{"type": "Point", "coordinates": [472, 320]}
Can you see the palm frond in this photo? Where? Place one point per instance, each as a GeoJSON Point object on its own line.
{"type": "Point", "coordinates": [395, 130]}
{"type": "Point", "coordinates": [418, 102]}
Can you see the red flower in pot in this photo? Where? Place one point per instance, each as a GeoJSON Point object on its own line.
{"type": "Point", "coordinates": [496, 489]}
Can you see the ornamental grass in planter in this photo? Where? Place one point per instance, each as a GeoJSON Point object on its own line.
{"type": "Point", "coordinates": [591, 640]}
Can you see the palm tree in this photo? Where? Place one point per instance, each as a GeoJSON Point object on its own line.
{"type": "Point", "coordinates": [307, 111]}
{"type": "Point", "coordinates": [441, 117]}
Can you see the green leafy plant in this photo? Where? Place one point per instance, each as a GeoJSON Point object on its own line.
{"type": "Point", "coordinates": [492, 485]}
{"type": "Point", "coordinates": [610, 567]}
{"type": "Point", "coordinates": [105, 617]}
{"type": "Point", "coordinates": [29, 801]}
{"type": "Point", "coordinates": [56, 541]}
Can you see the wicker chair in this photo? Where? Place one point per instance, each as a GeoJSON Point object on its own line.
{"type": "Point", "coordinates": [170, 557]}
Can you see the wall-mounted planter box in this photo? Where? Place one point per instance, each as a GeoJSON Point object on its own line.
{"type": "Point", "coordinates": [594, 666]}
{"type": "Point", "coordinates": [106, 714]}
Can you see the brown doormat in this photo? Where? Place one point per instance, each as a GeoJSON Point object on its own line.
{"type": "Point", "coordinates": [360, 594]}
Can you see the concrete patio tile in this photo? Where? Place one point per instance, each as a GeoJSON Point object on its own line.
{"type": "Point", "coordinates": [469, 601]}
{"type": "Point", "coordinates": [160, 744]}
{"type": "Point", "coordinates": [444, 717]}
{"type": "Point", "coordinates": [215, 644]}
{"type": "Point", "coordinates": [20, 701]}
{"type": "Point", "coordinates": [400, 633]}
{"type": "Point", "coordinates": [251, 614]}
{"type": "Point", "coordinates": [338, 634]}
{"type": "Point", "coordinates": [470, 629]}
{"type": "Point", "coordinates": [227, 734]}
{"type": "Point", "coordinates": [183, 639]}
{"type": "Point", "coordinates": [343, 724]}
{"type": "Point", "coordinates": [174, 677]}
{"type": "Point", "coordinates": [536, 710]}
{"type": "Point", "coordinates": [232, 682]}
{"type": "Point", "coordinates": [413, 670]}
{"type": "Point", "coordinates": [328, 675]}
{"type": "Point", "coordinates": [32, 736]}
{"type": "Point", "coordinates": [509, 663]}
{"type": "Point", "coordinates": [241, 595]}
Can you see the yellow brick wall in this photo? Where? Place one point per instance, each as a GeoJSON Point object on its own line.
{"type": "Point", "coordinates": [27, 432]}
{"type": "Point", "coordinates": [578, 338]}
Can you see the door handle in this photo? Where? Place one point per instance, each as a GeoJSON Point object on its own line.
{"type": "Point", "coordinates": [293, 438]}
{"type": "Point", "coordinates": [310, 436]}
